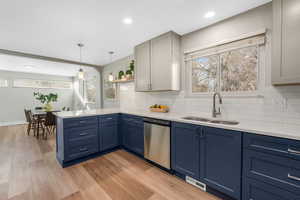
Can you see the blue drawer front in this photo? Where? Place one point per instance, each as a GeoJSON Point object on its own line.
{"type": "Point", "coordinates": [273, 145]}
{"type": "Point", "coordinates": [255, 190]}
{"type": "Point", "coordinates": [109, 119]}
{"type": "Point", "coordinates": [79, 133]}
{"type": "Point", "coordinates": [132, 117]}
{"type": "Point", "coordinates": [81, 148]}
{"type": "Point", "coordinates": [279, 171]}
{"type": "Point", "coordinates": [81, 122]}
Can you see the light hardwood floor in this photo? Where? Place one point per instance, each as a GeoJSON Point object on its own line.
{"type": "Point", "coordinates": [29, 171]}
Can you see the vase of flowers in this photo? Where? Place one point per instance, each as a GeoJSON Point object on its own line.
{"type": "Point", "coordinates": [46, 99]}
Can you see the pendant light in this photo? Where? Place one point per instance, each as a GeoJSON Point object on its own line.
{"type": "Point", "coordinates": [111, 76]}
{"type": "Point", "coordinates": [80, 72]}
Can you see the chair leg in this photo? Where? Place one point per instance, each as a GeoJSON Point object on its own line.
{"type": "Point", "coordinates": [28, 128]}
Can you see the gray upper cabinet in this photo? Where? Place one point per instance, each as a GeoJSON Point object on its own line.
{"type": "Point", "coordinates": [142, 59]}
{"type": "Point", "coordinates": [158, 64]}
{"type": "Point", "coordinates": [286, 42]}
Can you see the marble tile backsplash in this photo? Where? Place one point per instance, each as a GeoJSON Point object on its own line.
{"type": "Point", "coordinates": [277, 105]}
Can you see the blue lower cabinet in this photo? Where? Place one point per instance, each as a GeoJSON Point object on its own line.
{"type": "Point", "coordinates": [109, 136]}
{"type": "Point", "coordinates": [256, 190]}
{"type": "Point", "coordinates": [108, 131]}
{"type": "Point", "coordinates": [132, 131]}
{"type": "Point", "coordinates": [221, 160]}
{"type": "Point", "coordinates": [136, 139]}
{"type": "Point", "coordinates": [185, 149]}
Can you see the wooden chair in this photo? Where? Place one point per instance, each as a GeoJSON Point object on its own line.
{"type": "Point", "coordinates": [31, 121]}
{"type": "Point", "coordinates": [49, 124]}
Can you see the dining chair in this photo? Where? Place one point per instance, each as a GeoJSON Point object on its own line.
{"type": "Point", "coordinates": [31, 121]}
{"type": "Point", "coordinates": [49, 124]}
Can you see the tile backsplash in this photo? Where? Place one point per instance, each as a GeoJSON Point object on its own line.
{"type": "Point", "coordinates": [278, 104]}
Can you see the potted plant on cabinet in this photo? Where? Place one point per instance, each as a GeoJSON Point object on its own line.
{"type": "Point", "coordinates": [46, 99]}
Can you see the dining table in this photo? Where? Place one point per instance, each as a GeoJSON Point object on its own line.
{"type": "Point", "coordinates": [40, 115]}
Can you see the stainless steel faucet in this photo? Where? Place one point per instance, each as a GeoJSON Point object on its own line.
{"type": "Point", "coordinates": [215, 112]}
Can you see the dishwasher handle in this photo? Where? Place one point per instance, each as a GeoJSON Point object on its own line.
{"type": "Point", "coordinates": [157, 121]}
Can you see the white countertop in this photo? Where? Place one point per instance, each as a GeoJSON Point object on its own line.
{"type": "Point", "coordinates": [283, 130]}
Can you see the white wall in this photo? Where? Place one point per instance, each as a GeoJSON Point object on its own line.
{"type": "Point", "coordinates": [13, 101]}
{"type": "Point", "coordinates": [277, 104]}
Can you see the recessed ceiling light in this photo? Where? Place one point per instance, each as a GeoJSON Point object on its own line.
{"type": "Point", "coordinates": [28, 67]}
{"type": "Point", "coordinates": [210, 14]}
{"type": "Point", "coordinates": [127, 20]}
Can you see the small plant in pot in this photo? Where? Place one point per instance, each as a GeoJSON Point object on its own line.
{"type": "Point", "coordinates": [46, 99]}
{"type": "Point", "coordinates": [128, 74]}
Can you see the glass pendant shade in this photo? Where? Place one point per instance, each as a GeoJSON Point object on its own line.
{"type": "Point", "coordinates": [81, 74]}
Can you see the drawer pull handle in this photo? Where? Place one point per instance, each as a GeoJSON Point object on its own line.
{"type": "Point", "coordinates": [294, 151]}
{"type": "Point", "coordinates": [109, 118]}
{"type": "Point", "coordinates": [293, 177]}
{"type": "Point", "coordinates": [83, 134]}
{"type": "Point", "coordinates": [83, 149]}
{"type": "Point", "coordinates": [81, 122]}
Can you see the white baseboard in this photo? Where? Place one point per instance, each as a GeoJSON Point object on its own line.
{"type": "Point", "coordinates": [12, 123]}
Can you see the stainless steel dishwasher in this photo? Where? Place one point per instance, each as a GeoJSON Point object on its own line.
{"type": "Point", "coordinates": [157, 141]}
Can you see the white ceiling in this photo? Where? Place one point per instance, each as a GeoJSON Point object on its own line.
{"type": "Point", "coordinates": [37, 66]}
{"type": "Point", "coordinates": [54, 27]}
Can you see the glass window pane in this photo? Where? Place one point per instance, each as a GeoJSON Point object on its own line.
{"type": "Point", "coordinates": [3, 83]}
{"type": "Point", "coordinates": [204, 74]}
{"type": "Point", "coordinates": [239, 70]}
{"type": "Point", "coordinates": [110, 90]}
{"type": "Point", "coordinates": [31, 83]}
{"type": "Point", "coordinates": [91, 89]}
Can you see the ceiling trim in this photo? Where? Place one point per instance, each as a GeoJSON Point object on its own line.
{"type": "Point", "coordinates": [53, 59]}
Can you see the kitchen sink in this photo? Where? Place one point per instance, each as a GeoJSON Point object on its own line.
{"type": "Point", "coordinates": [225, 122]}
{"type": "Point", "coordinates": [200, 119]}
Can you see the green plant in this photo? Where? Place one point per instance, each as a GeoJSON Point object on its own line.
{"type": "Point", "coordinates": [131, 66]}
{"type": "Point", "coordinates": [121, 73]}
{"type": "Point", "coordinates": [128, 72]}
{"type": "Point", "coordinates": [45, 98]}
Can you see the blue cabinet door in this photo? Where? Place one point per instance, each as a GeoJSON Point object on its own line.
{"type": "Point", "coordinates": [109, 136]}
{"type": "Point", "coordinates": [136, 139]}
{"type": "Point", "coordinates": [221, 159]}
{"type": "Point", "coordinates": [132, 131]}
{"type": "Point", "coordinates": [185, 149]}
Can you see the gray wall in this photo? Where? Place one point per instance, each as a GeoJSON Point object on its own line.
{"type": "Point", "coordinates": [13, 101]}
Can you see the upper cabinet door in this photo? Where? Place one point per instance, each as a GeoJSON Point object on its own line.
{"type": "Point", "coordinates": [158, 64]}
{"type": "Point", "coordinates": [161, 62]}
{"type": "Point", "coordinates": [286, 42]}
{"type": "Point", "coordinates": [142, 69]}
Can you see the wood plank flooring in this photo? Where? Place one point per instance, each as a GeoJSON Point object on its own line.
{"type": "Point", "coordinates": [29, 171]}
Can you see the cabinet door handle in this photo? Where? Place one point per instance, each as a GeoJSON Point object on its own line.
{"type": "Point", "coordinates": [202, 133]}
{"type": "Point", "coordinates": [294, 151]}
{"type": "Point", "coordinates": [83, 149]}
{"type": "Point", "coordinates": [83, 134]}
{"type": "Point", "coordinates": [81, 122]}
{"type": "Point", "coordinates": [109, 118]}
{"type": "Point", "coordinates": [295, 178]}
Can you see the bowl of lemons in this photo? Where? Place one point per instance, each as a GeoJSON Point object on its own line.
{"type": "Point", "coordinates": [159, 108]}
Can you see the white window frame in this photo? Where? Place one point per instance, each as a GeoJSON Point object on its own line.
{"type": "Point", "coordinates": [86, 82]}
{"type": "Point", "coordinates": [260, 71]}
{"type": "Point", "coordinates": [41, 87]}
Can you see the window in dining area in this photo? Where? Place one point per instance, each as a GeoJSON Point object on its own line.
{"type": "Point", "coordinates": [3, 83]}
{"type": "Point", "coordinates": [46, 84]}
